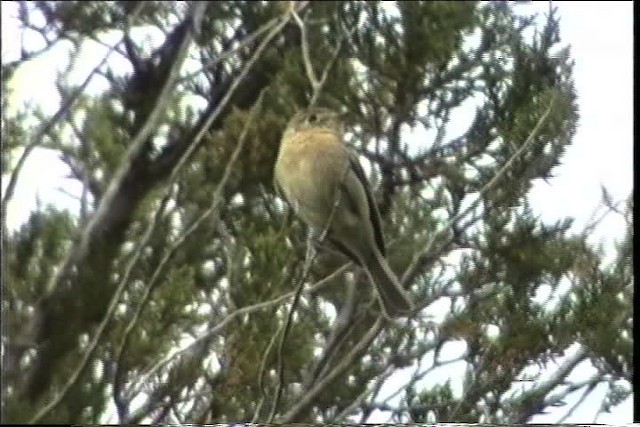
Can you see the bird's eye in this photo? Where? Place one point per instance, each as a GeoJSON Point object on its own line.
{"type": "Point", "coordinates": [312, 118]}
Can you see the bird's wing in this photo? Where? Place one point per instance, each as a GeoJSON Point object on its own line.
{"type": "Point", "coordinates": [374, 214]}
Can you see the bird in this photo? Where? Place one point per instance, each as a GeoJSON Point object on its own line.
{"type": "Point", "coordinates": [322, 179]}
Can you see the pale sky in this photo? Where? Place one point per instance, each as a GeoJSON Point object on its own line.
{"type": "Point", "coordinates": [601, 39]}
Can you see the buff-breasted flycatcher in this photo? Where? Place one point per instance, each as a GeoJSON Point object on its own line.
{"type": "Point", "coordinates": [324, 182]}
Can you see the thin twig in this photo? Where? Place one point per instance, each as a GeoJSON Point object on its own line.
{"type": "Point", "coordinates": [308, 67]}
{"type": "Point", "coordinates": [216, 199]}
{"type": "Point", "coordinates": [237, 313]}
{"type": "Point", "coordinates": [420, 375]}
{"type": "Point", "coordinates": [62, 111]}
{"type": "Point", "coordinates": [316, 84]}
{"type": "Point", "coordinates": [413, 266]}
{"type": "Point", "coordinates": [311, 254]}
{"type": "Point", "coordinates": [372, 391]}
{"type": "Point", "coordinates": [536, 394]}
{"type": "Point", "coordinates": [293, 412]}
{"type": "Point", "coordinates": [415, 262]}
{"type": "Point", "coordinates": [283, 337]}
{"type": "Point", "coordinates": [25, 55]}
{"type": "Point", "coordinates": [223, 102]}
{"type": "Point", "coordinates": [116, 183]}
{"type": "Point", "coordinates": [153, 117]}
{"type": "Point", "coordinates": [340, 333]}
{"type": "Point", "coordinates": [263, 369]}
{"type": "Point", "coordinates": [227, 54]}
{"type": "Point", "coordinates": [127, 163]}
{"type": "Point", "coordinates": [325, 73]}
{"type": "Point", "coordinates": [339, 369]}
{"type": "Point", "coordinates": [587, 391]}
{"type": "Point", "coordinates": [344, 324]}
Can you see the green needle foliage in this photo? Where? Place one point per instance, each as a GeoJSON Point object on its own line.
{"type": "Point", "coordinates": [163, 293]}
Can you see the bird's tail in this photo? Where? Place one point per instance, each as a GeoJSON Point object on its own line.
{"type": "Point", "coordinates": [394, 300]}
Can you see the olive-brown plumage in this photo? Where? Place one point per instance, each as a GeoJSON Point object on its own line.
{"type": "Point", "coordinates": [322, 179]}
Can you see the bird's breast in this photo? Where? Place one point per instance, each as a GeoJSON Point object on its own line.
{"type": "Point", "coordinates": [308, 172]}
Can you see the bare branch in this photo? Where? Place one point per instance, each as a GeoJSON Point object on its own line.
{"type": "Point", "coordinates": [316, 84]}
{"type": "Point", "coordinates": [104, 208]}
{"type": "Point", "coordinates": [308, 67]}
{"type": "Point", "coordinates": [531, 400]}
{"type": "Point", "coordinates": [416, 261]}
{"type": "Point", "coordinates": [64, 109]}
{"type": "Point", "coordinates": [310, 257]}
{"type": "Point", "coordinates": [295, 411]}
{"type": "Point", "coordinates": [96, 219]}
{"type": "Point", "coordinates": [587, 391]}
{"type": "Point", "coordinates": [151, 285]}
{"type": "Point", "coordinates": [369, 391]}
{"type": "Point", "coordinates": [231, 316]}
{"type": "Point", "coordinates": [229, 53]}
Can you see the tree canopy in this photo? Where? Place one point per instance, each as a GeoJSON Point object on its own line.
{"type": "Point", "coordinates": [178, 290]}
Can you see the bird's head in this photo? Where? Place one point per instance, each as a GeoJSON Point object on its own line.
{"type": "Point", "coordinates": [315, 118]}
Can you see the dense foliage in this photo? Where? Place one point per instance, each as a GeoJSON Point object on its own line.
{"type": "Point", "coordinates": [180, 242]}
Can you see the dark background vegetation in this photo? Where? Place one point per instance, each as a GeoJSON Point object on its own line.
{"type": "Point", "coordinates": [180, 236]}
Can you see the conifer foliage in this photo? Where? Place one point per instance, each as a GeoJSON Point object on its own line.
{"type": "Point", "coordinates": [165, 294]}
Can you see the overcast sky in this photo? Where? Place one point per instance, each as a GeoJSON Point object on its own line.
{"type": "Point", "coordinates": [600, 35]}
